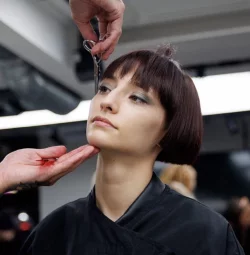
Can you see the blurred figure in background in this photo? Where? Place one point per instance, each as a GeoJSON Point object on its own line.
{"type": "Point", "coordinates": [8, 233]}
{"type": "Point", "coordinates": [238, 215]}
{"type": "Point", "coordinates": [181, 178]}
{"type": "Point", "coordinates": [14, 229]}
{"type": "Point", "coordinates": [7, 228]}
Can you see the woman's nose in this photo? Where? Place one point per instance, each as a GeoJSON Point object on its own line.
{"type": "Point", "coordinates": [109, 103]}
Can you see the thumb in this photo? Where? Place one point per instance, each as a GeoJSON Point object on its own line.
{"type": "Point", "coordinates": [52, 152]}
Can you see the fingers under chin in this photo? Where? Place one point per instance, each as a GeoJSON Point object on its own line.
{"type": "Point", "coordinates": [60, 169]}
{"type": "Point", "coordinates": [66, 170]}
{"type": "Point", "coordinates": [74, 160]}
{"type": "Point", "coordinates": [71, 153]}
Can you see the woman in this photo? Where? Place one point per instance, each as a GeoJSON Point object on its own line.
{"type": "Point", "coordinates": [146, 109]}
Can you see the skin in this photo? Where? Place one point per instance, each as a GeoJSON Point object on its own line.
{"type": "Point", "coordinates": [110, 19]}
{"type": "Point", "coordinates": [127, 152]}
{"type": "Point", "coordinates": [30, 166]}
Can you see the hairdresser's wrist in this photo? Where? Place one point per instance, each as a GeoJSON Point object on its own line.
{"type": "Point", "coordinates": [3, 184]}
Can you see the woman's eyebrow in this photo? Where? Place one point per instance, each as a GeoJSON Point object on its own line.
{"type": "Point", "coordinates": [111, 77]}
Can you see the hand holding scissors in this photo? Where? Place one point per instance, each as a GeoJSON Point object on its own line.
{"type": "Point", "coordinates": [110, 18]}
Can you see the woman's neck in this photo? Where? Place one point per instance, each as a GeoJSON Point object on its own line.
{"type": "Point", "coordinates": [119, 181]}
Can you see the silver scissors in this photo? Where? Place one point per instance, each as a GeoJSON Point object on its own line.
{"type": "Point", "coordinates": [97, 62]}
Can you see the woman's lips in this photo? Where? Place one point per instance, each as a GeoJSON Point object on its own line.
{"type": "Point", "coordinates": [103, 122]}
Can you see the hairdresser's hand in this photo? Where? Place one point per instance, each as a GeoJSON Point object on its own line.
{"type": "Point", "coordinates": [110, 16]}
{"type": "Point", "coordinates": [42, 166]}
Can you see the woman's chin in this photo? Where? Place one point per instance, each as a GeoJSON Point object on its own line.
{"type": "Point", "coordinates": [100, 143]}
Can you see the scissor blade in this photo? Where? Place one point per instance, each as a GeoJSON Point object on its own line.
{"type": "Point", "coordinates": [96, 75]}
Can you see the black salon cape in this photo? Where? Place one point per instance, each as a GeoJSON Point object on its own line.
{"type": "Point", "coordinates": [160, 221]}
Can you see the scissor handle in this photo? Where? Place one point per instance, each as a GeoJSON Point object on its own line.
{"type": "Point", "coordinates": [96, 59]}
{"type": "Point", "coordinates": [85, 45]}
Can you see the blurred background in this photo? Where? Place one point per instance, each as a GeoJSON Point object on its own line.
{"type": "Point", "coordinates": [46, 82]}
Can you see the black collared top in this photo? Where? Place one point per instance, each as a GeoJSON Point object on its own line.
{"type": "Point", "coordinates": [160, 221]}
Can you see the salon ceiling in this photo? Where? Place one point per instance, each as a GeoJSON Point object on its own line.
{"type": "Point", "coordinates": [42, 33]}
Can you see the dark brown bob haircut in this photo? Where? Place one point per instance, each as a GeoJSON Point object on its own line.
{"type": "Point", "coordinates": [177, 94]}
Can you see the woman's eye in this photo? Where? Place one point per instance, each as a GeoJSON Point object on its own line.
{"type": "Point", "coordinates": [137, 99]}
{"type": "Point", "coordinates": [103, 89]}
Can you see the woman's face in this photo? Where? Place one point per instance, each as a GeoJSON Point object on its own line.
{"type": "Point", "coordinates": [137, 116]}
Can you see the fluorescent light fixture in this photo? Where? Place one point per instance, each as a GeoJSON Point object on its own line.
{"type": "Point", "coordinates": [45, 117]}
{"type": "Point", "coordinates": [218, 94]}
{"type": "Point", "coordinates": [225, 93]}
